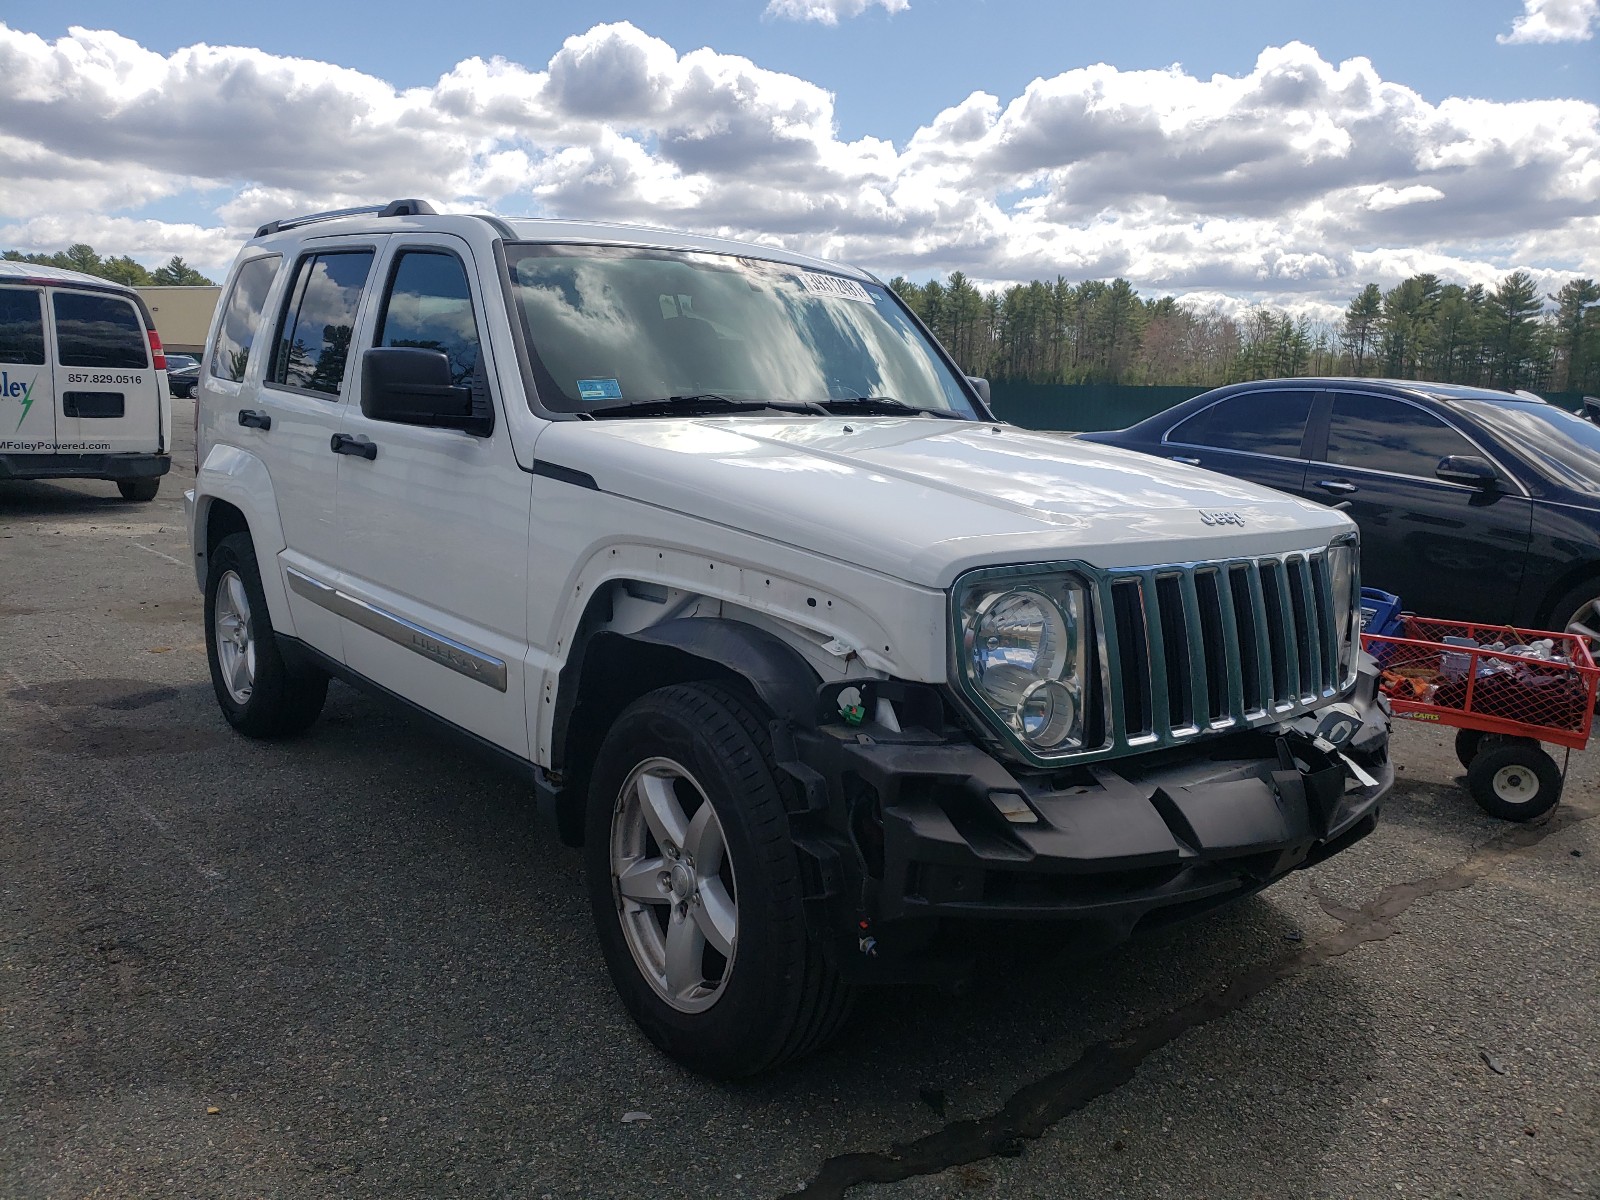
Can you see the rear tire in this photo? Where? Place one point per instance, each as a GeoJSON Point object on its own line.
{"type": "Point", "coordinates": [696, 887]}
{"type": "Point", "coordinates": [259, 694]}
{"type": "Point", "coordinates": [1515, 781]}
{"type": "Point", "coordinates": [139, 490]}
{"type": "Point", "coordinates": [1468, 743]}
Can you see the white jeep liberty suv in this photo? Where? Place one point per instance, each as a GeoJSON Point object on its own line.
{"type": "Point", "coordinates": [832, 674]}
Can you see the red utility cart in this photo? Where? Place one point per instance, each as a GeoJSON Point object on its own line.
{"type": "Point", "coordinates": [1505, 690]}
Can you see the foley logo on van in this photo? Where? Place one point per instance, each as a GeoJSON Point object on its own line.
{"type": "Point", "coordinates": [16, 389]}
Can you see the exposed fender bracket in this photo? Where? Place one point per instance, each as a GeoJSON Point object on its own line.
{"type": "Point", "coordinates": [782, 679]}
{"type": "Point", "coordinates": [609, 668]}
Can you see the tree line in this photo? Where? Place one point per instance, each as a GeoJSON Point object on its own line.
{"type": "Point", "coordinates": [1507, 337]}
{"type": "Point", "coordinates": [82, 257]}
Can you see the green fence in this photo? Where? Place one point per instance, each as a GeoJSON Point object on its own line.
{"type": "Point", "coordinates": [1087, 406]}
{"type": "Point", "coordinates": [1082, 406]}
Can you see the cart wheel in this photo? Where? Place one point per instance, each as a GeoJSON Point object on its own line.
{"type": "Point", "coordinates": [1468, 743]}
{"type": "Point", "coordinates": [1514, 781]}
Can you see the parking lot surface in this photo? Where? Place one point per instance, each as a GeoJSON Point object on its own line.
{"type": "Point", "coordinates": [352, 964]}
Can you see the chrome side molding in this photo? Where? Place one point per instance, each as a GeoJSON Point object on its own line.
{"type": "Point", "coordinates": [447, 652]}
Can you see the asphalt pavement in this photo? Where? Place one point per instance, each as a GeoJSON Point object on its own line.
{"type": "Point", "coordinates": [354, 965]}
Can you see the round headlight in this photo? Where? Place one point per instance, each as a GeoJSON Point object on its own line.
{"type": "Point", "coordinates": [1047, 714]}
{"type": "Point", "coordinates": [1019, 638]}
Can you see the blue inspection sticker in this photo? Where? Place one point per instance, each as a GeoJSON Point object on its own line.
{"type": "Point", "coordinates": [599, 389]}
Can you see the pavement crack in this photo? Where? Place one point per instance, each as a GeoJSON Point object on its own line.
{"type": "Point", "coordinates": [1106, 1065]}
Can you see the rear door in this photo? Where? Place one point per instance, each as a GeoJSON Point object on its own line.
{"type": "Point", "coordinates": [27, 388]}
{"type": "Point", "coordinates": [1255, 435]}
{"type": "Point", "coordinates": [109, 393]}
{"type": "Point", "coordinates": [297, 411]}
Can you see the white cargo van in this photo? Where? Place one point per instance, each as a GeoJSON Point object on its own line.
{"type": "Point", "coordinates": [83, 382]}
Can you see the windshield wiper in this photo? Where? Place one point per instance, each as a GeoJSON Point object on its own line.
{"type": "Point", "coordinates": [705, 402]}
{"type": "Point", "coordinates": [887, 405]}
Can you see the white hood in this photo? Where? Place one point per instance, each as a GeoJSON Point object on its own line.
{"type": "Point", "coordinates": [924, 499]}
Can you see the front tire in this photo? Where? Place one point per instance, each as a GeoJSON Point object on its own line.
{"type": "Point", "coordinates": [139, 490]}
{"type": "Point", "coordinates": [1580, 607]}
{"type": "Point", "coordinates": [696, 887]}
{"type": "Point", "coordinates": [1515, 781]}
{"type": "Point", "coordinates": [259, 694]}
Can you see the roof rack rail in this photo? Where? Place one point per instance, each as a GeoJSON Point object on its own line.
{"type": "Point", "coordinates": [395, 208]}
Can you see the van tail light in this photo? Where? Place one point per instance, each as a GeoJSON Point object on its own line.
{"type": "Point", "coordinates": [157, 354]}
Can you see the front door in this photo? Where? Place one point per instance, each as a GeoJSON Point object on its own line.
{"type": "Point", "coordinates": [433, 523]}
{"type": "Point", "coordinates": [1446, 550]}
{"type": "Point", "coordinates": [27, 389]}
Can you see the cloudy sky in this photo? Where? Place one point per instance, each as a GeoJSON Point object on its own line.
{"type": "Point", "coordinates": [1267, 150]}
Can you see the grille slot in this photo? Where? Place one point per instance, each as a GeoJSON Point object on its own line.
{"type": "Point", "coordinates": [1204, 647]}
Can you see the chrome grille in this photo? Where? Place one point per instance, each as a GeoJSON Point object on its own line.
{"type": "Point", "coordinates": [1199, 648]}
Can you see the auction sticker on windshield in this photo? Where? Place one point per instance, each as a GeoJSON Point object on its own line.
{"type": "Point", "coordinates": [599, 389]}
{"type": "Point", "coordinates": [833, 285]}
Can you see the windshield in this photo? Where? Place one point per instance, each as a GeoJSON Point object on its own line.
{"type": "Point", "coordinates": [609, 326]}
{"type": "Point", "coordinates": [1564, 448]}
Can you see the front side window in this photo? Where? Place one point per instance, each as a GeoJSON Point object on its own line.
{"type": "Point", "coordinates": [21, 326]}
{"type": "Point", "coordinates": [319, 320]}
{"type": "Point", "coordinates": [99, 331]}
{"type": "Point", "coordinates": [430, 307]}
{"type": "Point", "coordinates": [609, 326]}
{"type": "Point", "coordinates": [1258, 422]}
{"type": "Point", "coordinates": [241, 317]}
{"type": "Point", "coordinates": [1381, 434]}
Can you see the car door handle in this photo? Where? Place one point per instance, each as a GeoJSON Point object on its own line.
{"type": "Point", "coordinates": [1337, 485]}
{"type": "Point", "coordinates": [252, 418]}
{"type": "Point", "coordinates": [343, 443]}
{"type": "Point", "coordinates": [1188, 462]}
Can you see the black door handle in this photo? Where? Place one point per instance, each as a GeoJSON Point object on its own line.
{"type": "Point", "coordinates": [252, 418]}
{"type": "Point", "coordinates": [343, 443]}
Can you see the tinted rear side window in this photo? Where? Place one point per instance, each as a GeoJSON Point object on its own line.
{"type": "Point", "coordinates": [241, 317]}
{"type": "Point", "coordinates": [1259, 422]}
{"type": "Point", "coordinates": [319, 320]}
{"type": "Point", "coordinates": [1381, 434]}
{"type": "Point", "coordinates": [21, 326]}
{"type": "Point", "coordinates": [99, 331]}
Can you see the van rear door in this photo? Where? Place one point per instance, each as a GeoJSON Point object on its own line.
{"type": "Point", "coordinates": [110, 394]}
{"type": "Point", "coordinates": [27, 405]}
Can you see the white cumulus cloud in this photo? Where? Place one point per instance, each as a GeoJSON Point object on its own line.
{"type": "Point", "coordinates": [828, 12]}
{"type": "Point", "coordinates": [1553, 21]}
{"type": "Point", "coordinates": [1293, 182]}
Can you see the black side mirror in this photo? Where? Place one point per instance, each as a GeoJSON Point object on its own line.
{"type": "Point", "coordinates": [411, 386]}
{"type": "Point", "coordinates": [981, 386]}
{"type": "Point", "coordinates": [1591, 408]}
{"type": "Point", "coordinates": [1470, 470]}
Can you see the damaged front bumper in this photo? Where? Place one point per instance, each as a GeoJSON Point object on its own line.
{"type": "Point", "coordinates": [910, 839]}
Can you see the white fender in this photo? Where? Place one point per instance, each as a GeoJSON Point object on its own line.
{"type": "Point", "coordinates": [241, 479]}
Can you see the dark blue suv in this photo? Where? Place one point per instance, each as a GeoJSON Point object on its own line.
{"type": "Point", "coordinates": [1474, 505]}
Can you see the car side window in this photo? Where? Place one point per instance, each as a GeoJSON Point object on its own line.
{"type": "Point", "coordinates": [21, 326]}
{"type": "Point", "coordinates": [1378, 433]}
{"type": "Point", "coordinates": [1270, 422]}
{"type": "Point", "coordinates": [319, 319]}
{"type": "Point", "coordinates": [241, 317]}
{"type": "Point", "coordinates": [99, 331]}
{"type": "Point", "coordinates": [429, 306]}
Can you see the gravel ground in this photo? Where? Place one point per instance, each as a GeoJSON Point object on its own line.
{"type": "Point", "coordinates": [353, 965]}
